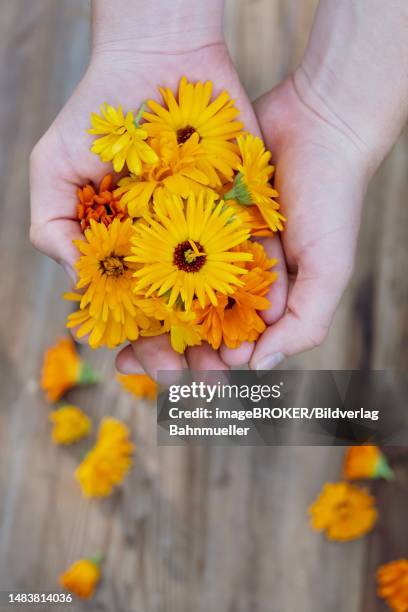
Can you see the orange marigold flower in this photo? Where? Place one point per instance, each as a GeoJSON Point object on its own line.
{"type": "Point", "coordinates": [70, 424]}
{"type": "Point", "coordinates": [343, 511]}
{"type": "Point", "coordinates": [235, 319]}
{"type": "Point", "coordinates": [82, 577]}
{"type": "Point", "coordinates": [102, 204]}
{"type": "Point", "coordinates": [108, 462]}
{"type": "Point", "coordinates": [392, 580]}
{"type": "Point", "coordinates": [366, 462]}
{"type": "Point", "coordinates": [141, 385]}
{"type": "Point", "coordinates": [63, 369]}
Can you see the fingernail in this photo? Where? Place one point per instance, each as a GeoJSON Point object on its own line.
{"type": "Point", "coordinates": [270, 361]}
{"type": "Point", "coordinates": [70, 272]}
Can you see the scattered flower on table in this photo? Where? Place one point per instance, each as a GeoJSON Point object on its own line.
{"type": "Point", "coordinates": [108, 462]}
{"type": "Point", "coordinates": [70, 424]}
{"type": "Point", "coordinates": [343, 511]}
{"type": "Point", "coordinates": [82, 577]}
{"type": "Point", "coordinates": [361, 462]}
{"type": "Point", "coordinates": [392, 581]}
{"type": "Point", "coordinates": [140, 385]}
{"type": "Point", "coordinates": [63, 369]}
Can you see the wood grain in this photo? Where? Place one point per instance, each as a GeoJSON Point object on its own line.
{"type": "Point", "coordinates": [222, 529]}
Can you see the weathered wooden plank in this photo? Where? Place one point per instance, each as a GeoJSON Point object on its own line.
{"type": "Point", "coordinates": [220, 528]}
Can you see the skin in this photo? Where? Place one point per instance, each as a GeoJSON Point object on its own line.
{"type": "Point", "coordinates": [324, 153]}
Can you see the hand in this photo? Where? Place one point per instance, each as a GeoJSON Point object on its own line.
{"type": "Point", "coordinates": [61, 161]}
{"type": "Point", "coordinates": [322, 173]}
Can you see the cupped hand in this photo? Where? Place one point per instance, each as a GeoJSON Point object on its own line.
{"type": "Point", "coordinates": [322, 172]}
{"type": "Point", "coordinates": [61, 161]}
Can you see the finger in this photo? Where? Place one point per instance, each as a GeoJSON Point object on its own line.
{"type": "Point", "coordinates": [53, 213]}
{"type": "Point", "coordinates": [238, 356]}
{"type": "Point", "coordinates": [126, 362]}
{"type": "Point", "coordinates": [54, 238]}
{"type": "Point", "coordinates": [201, 358]}
{"type": "Point", "coordinates": [311, 306]}
{"type": "Point", "coordinates": [278, 292]}
{"type": "Point", "coordinates": [156, 354]}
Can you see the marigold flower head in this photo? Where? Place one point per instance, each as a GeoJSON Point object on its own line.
{"type": "Point", "coordinates": [121, 139]}
{"type": "Point", "coordinates": [251, 218]}
{"type": "Point", "coordinates": [392, 580]}
{"type": "Point", "coordinates": [252, 183]}
{"type": "Point", "coordinates": [366, 462]}
{"type": "Point", "coordinates": [188, 251]}
{"type": "Point", "coordinates": [343, 511]}
{"type": "Point", "coordinates": [106, 465]}
{"type": "Point", "coordinates": [175, 172]}
{"type": "Point", "coordinates": [63, 369]}
{"type": "Point", "coordinates": [70, 424]}
{"type": "Point", "coordinates": [235, 319]}
{"type": "Point", "coordinates": [101, 204]}
{"type": "Point", "coordinates": [181, 324]}
{"type": "Point", "coordinates": [141, 385]}
{"type": "Point", "coordinates": [107, 307]}
{"type": "Point", "coordinates": [193, 112]}
{"type": "Point", "coordinates": [82, 577]}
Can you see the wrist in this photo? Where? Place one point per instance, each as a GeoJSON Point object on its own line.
{"type": "Point", "coordinates": [357, 85]}
{"type": "Point", "coordinates": [155, 26]}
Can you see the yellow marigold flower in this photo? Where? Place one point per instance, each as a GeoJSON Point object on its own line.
{"type": "Point", "coordinates": [251, 218]}
{"type": "Point", "coordinates": [392, 580]}
{"type": "Point", "coordinates": [343, 511]}
{"type": "Point", "coordinates": [141, 385]}
{"type": "Point", "coordinates": [63, 369]}
{"type": "Point", "coordinates": [366, 462]}
{"type": "Point", "coordinates": [122, 140]}
{"type": "Point", "coordinates": [235, 319]}
{"type": "Point", "coordinates": [108, 462]}
{"type": "Point", "coordinates": [252, 183]}
{"type": "Point", "coordinates": [107, 307]}
{"type": "Point", "coordinates": [193, 112]}
{"type": "Point", "coordinates": [82, 577]}
{"type": "Point", "coordinates": [182, 325]}
{"type": "Point", "coordinates": [174, 172]}
{"type": "Point", "coordinates": [188, 251]}
{"type": "Point", "coordinates": [70, 424]}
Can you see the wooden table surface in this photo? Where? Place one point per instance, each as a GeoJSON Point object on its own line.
{"type": "Point", "coordinates": [193, 529]}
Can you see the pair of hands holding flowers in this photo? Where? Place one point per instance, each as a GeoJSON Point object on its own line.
{"type": "Point", "coordinates": [322, 169]}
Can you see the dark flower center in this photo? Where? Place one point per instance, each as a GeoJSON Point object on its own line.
{"type": "Point", "coordinates": [184, 133]}
{"type": "Point", "coordinates": [189, 256]}
{"type": "Point", "coordinates": [230, 304]}
{"type": "Point", "coordinates": [113, 266]}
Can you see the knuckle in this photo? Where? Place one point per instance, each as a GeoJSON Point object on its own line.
{"type": "Point", "coordinates": [317, 334]}
{"type": "Point", "coordinates": [37, 154]}
{"type": "Point", "coordinates": [35, 236]}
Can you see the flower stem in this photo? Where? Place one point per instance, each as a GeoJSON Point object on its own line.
{"type": "Point", "coordinates": [87, 376]}
{"type": "Point", "coordinates": [97, 559]}
{"type": "Point", "coordinates": [139, 115]}
{"type": "Point", "coordinates": [384, 470]}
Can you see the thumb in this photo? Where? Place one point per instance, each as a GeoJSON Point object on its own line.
{"type": "Point", "coordinates": [53, 213]}
{"type": "Point", "coordinates": [312, 302]}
